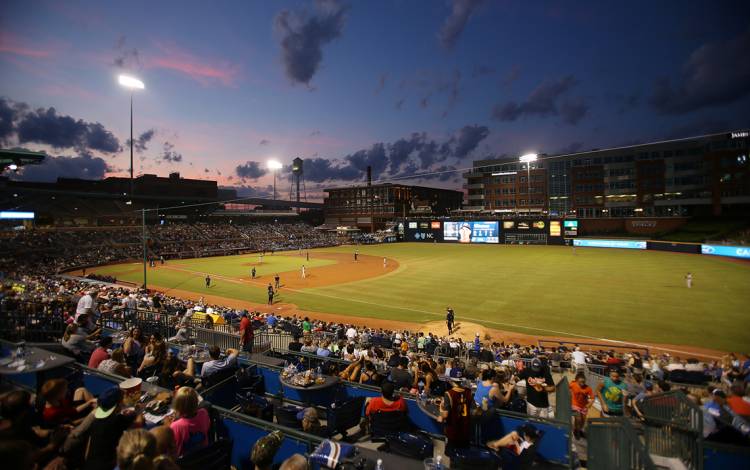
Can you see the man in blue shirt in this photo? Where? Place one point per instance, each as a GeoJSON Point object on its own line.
{"type": "Point", "coordinates": [216, 364]}
{"type": "Point", "coordinates": [271, 320]}
{"type": "Point", "coordinates": [323, 350]}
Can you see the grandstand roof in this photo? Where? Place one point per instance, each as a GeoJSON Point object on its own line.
{"type": "Point", "coordinates": [20, 157]}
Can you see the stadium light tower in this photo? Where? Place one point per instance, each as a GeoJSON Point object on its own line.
{"type": "Point", "coordinates": [528, 158]}
{"type": "Point", "coordinates": [274, 165]}
{"type": "Point", "coordinates": [131, 83]}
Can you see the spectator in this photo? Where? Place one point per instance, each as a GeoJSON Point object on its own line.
{"type": "Point", "coordinates": [295, 345]}
{"type": "Point", "coordinates": [425, 375]}
{"type": "Point", "coordinates": [155, 355]}
{"type": "Point", "coordinates": [323, 350]}
{"type": "Point", "coordinates": [192, 424]}
{"type": "Point", "coordinates": [247, 335]}
{"type": "Point", "coordinates": [455, 414]}
{"type": "Point", "coordinates": [116, 364]}
{"type": "Point", "coordinates": [106, 429]}
{"type": "Point", "coordinates": [265, 449]}
{"type": "Point", "coordinates": [581, 397]}
{"type": "Point", "coordinates": [75, 342]}
{"type": "Point", "coordinates": [311, 423]}
{"type": "Point", "coordinates": [737, 400]}
{"type": "Point", "coordinates": [165, 442]}
{"type": "Point", "coordinates": [18, 424]}
{"type": "Point", "coordinates": [216, 364]}
{"type": "Point", "coordinates": [134, 347]}
{"type": "Point", "coordinates": [611, 393]}
{"type": "Point", "coordinates": [101, 353]}
{"type": "Point", "coordinates": [648, 390]}
{"type": "Point", "coordinates": [309, 347]}
{"type": "Point", "coordinates": [721, 424]}
{"type": "Point", "coordinates": [400, 376]}
{"type": "Point", "coordinates": [387, 402]}
{"type": "Point", "coordinates": [59, 408]}
{"type": "Point", "coordinates": [295, 462]}
{"type": "Point", "coordinates": [136, 450]}
{"type": "Point", "coordinates": [539, 385]}
{"type": "Point", "coordinates": [579, 359]}
{"type": "Point", "coordinates": [489, 389]}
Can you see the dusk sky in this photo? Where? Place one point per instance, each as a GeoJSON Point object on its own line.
{"type": "Point", "coordinates": [407, 86]}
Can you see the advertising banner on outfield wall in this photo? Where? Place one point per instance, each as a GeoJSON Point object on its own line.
{"type": "Point", "coordinates": [472, 232]}
{"type": "Point", "coordinates": [629, 244]}
{"type": "Point", "coordinates": [673, 246]}
{"type": "Point", "coordinates": [423, 231]}
{"type": "Point", "coordinates": [731, 251]}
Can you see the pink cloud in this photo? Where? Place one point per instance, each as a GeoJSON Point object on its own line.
{"type": "Point", "coordinates": [204, 71]}
{"type": "Point", "coordinates": [13, 44]}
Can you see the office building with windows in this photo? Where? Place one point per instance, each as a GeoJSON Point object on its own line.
{"type": "Point", "coordinates": [705, 175]}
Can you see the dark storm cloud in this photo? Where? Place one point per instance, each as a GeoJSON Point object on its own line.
{"type": "Point", "coordinates": [404, 157]}
{"type": "Point", "coordinates": [169, 154]}
{"type": "Point", "coordinates": [544, 101]}
{"type": "Point", "coordinates": [126, 57]}
{"type": "Point", "coordinates": [461, 12]}
{"type": "Point", "coordinates": [140, 144]}
{"type": "Point", "coordinates": [250, 170]}
{"type": "Point", "coordinates": [715, 74]}
{"type": "Point", "coordinates": [45, 126]}
{"type": "Point", "coordinates": [251, 191]}
{"type": "Point", "coordinates": [7, 118]}
{"type": "Point", "coordinates": [304, 34]}
{"type": "Point", "coordinates": [85, 166]}
{"type": "Point", "coordinates": [467, 139]}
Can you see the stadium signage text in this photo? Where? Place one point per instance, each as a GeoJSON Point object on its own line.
{"type": "Point", "coordinates": [731, 251]}
{"type": "Point", "coordinates": [740, 135]}
{"type": "Point", "coordinates": [629, 244]}
{"type": "Point", "coordinates": [644, 223]}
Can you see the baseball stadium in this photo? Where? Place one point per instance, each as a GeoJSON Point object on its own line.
{"type": "Point", "coordinates": [374, 235]}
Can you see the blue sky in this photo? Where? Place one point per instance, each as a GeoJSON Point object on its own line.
{"type": "Point", "coordinates": [232, 83]}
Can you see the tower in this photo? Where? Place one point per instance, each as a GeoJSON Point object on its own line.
{"type": "Point", "coordinates": [298, 176]}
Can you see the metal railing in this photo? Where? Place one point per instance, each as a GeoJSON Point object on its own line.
{"type": "Point", "coordinates": [563, 404]}
{"type": "Point", "coordinates": [674, 427]}
{"type": "Point", "coordinates": [614, 445]}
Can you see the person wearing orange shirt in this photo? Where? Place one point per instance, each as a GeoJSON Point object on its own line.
{"type": "Point", "coordinates": [737, 401]}
{"type": "Point", "coordinates": [581, 397]}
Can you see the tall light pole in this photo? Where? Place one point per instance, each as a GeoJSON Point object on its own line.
{"type": "Point", "coordinates": [528, 158]}
{"type": "Point", "coordinates": [274, 165]}
{"type": "Point", "coordinates": [131, 83]}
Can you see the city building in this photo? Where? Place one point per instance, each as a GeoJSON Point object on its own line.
{"type": "Point", "coordinates": [705, 175]}
{"type": "Point", "coordinates": [373, 207]}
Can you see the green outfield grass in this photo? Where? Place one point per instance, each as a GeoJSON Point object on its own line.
{"type": "Point", "coordinates": [627, 295]}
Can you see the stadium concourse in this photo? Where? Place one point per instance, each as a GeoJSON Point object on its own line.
{"type": "Point", "coordinates": [181, 381]}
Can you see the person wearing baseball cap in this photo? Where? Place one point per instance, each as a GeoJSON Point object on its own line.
{"type": "Point", "coordinates": [539, 385]}
{"type": "Point", "coordinates": [108, 426]}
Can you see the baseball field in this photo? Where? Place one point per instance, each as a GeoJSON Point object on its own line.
{"type": "Point", "coordinates": [587, 294]}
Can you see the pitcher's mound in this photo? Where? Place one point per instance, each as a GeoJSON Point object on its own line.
{"type": "Point", "coordinates": [464, 330]}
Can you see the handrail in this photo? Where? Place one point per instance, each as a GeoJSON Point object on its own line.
{"type": "Point", "coordinates": [614, 445]}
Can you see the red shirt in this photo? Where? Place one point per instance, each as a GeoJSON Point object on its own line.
{"type": "Point", "coordinates": [56, 415]}
{"type": "Point", "coordinates": [739, 405]}
{"type": "Point", "coordinates": [377, 404]}
{"type": "Point", "coordinates": [246, 330]}
{"type": "Point", "coordinates": [97, 357]}
{"type": "Point", "coordinates": [580, 396]}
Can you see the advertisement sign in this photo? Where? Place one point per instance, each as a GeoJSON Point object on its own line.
{"type": "Point", "coordinates": [731, 251]}
{"type": "Point", "coordinates": [508, 224]}
{"type": "Point", "coordinates": [539, 225]}
{"type": "Point", "coordinates": [412, 225]}
{"type": "Point", "coordinates": [629, 244]}
{"type": "Point", "coordinates": [435, 225]}
{"type": "Point", "coordinates": [15, 215]}
{"type": "Point", "coordinates": [554, 228]}
{"type": "Point", "coordinates": [472, 232]}
{"type": "Point", "coordinates": [571, 228]}
{"type": "Point", "coordinates": [523, 225]}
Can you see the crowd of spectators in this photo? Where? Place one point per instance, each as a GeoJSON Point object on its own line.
{"type": "Point", "coordinates": [55, 250]}
{"type": "Point", "coordinates": [485, 375]}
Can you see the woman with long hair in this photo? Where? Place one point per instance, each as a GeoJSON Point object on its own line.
{"type": "Point", "coordinates": [136, 450]}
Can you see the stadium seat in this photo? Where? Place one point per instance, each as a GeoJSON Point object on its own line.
{"type": "Point", "coordinates": [473, 458]}
{"type": "Point", "coordinates": [255, 405]}
{"type": "Point", "coordinates": [217, 455]}
{"type": "Point", "coordinates": [384, 424]}
{"type": "Point", "coordinates": [218, 377]}
{"type": "Point", "coordinates": [341, 417]}
{"type": "Point", "coordinates": [286, 415]}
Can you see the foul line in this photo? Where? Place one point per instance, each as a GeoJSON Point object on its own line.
{"type": "Point", "coordinates": [477, 320]}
